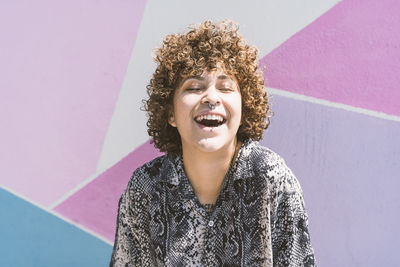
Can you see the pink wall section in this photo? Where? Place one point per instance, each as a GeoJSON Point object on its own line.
{"type": "Point", "coordinates": [349, 55]}
{"type": "Point", "coordinates": [62, 65]}
{"type": "Point", "coordinates": [95, 206]}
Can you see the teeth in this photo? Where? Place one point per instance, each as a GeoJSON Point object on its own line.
{"type": "Point", "coordinates": [210, 117]}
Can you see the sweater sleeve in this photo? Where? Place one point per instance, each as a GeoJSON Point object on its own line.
{"type": "Point", "coordinates": [291, 244]}
{"type": "Point", "coordinates": [132, 246]}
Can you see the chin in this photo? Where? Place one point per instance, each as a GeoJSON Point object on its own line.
{"type": "Point", "coordinates": [212, 144]}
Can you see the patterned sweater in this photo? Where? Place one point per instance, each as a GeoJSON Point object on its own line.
{"type": "Point", "coordinates": [259, 218]}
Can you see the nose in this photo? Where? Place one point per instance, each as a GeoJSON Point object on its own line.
{"type": "Point", "coordinates": [211, 96]}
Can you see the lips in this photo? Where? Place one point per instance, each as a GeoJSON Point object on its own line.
{"type": "Point", "coordinates": [210, 119]}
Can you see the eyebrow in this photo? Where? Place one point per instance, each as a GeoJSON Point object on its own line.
{"type": "Point", "coordinates": [224, 77]}
{"type": "Point", "coordinates": [197, 77]}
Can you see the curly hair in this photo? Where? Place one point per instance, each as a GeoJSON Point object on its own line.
{"type": "Point", "coordinates": [205, 47]}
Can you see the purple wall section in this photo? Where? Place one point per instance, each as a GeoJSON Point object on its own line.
{"type": "Point", "coordinates": [349, 55]}
{"type": "Point", "coordinates": [348, 166]}
{"type": "Point", "coordinates": [62, 65]}
{"type": "Point", "coordinates": [95, 206]}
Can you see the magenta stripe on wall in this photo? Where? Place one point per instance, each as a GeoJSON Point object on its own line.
{"type": "Point", "coordinates": [63, 64]}
{"type": "Point", "coordinates": [95, 206]}
{"type": "Point", "coordinates": [348, 55]}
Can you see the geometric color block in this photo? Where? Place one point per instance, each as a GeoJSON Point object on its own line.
{"type": "Point", "coordinates": [95, 205]}
{"type": "Point", "coordinates": [348, 166]}
{"type": "Point", "coordinates": [349, 55]}
{"type": "Point", "coordinates": [62, 66]}
{"type": "Point", "coordinates": [32, 237]}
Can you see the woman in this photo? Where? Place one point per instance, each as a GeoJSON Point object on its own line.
{"type": "Point", "coordinates": [216, 198]}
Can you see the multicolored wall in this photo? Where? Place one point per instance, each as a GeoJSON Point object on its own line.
{"type": "Point", "coordinates": [73, 74]}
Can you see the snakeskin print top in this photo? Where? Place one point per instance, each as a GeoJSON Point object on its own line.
{"type": "Point", "coordinates": [259, 218]}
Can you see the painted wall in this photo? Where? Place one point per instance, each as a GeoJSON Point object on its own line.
{"type": "Point", "coordinates": [72, 78]}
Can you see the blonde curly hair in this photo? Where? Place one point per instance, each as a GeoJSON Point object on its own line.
{"type": "Point", "coordinates": [205, 47]}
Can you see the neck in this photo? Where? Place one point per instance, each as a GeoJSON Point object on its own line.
{"type": "Point", "coordinates": [206, 170]}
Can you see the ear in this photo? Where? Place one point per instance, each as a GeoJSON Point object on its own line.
{"type": "Point", "coordinates": [171, 119]}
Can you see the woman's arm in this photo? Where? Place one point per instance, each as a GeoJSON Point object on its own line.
{"type": "Point", "coordinates": [132, 245]}
{"type": "Point", "coordinates": [291, 243]}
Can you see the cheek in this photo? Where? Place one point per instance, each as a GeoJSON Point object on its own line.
{"type": "Point", "coordinates": [182, 108]}
{"type": "Point", "coordinates": [235, 110]}
{"type": "Point", "coordinates": [238, 110]}
{"type": "Point", "coordinates": [236, 106]}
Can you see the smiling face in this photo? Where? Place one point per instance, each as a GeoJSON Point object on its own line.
{"type": "Point", "coordinates": [207, 111]}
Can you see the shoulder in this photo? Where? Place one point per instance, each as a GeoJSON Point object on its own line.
{"type": "Point", "coordinates": [150, 168]}
{"type": "Point", "coordinates": [270, 166]}
{"type": "Point", "coordinates": [263, 160]}
{"type": "Point", "coordinates": [263, 156]}
{"type": "Point", "coordinates": [145, 175]}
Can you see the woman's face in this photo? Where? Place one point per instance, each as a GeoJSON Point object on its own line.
{"type": "Point", "coordinates": [199, 125]}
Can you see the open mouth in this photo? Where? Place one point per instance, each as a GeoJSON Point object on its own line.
{"type": "Point", "coordinates": [210, 120]}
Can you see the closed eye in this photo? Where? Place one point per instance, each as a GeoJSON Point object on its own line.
{"type": "Point", "coordinates": [226, 89]}
{"type": "Point", "coordinates": [193, 89]}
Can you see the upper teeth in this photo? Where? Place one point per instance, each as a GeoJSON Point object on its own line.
{"type": "Point", "coordinates": [210, 117]}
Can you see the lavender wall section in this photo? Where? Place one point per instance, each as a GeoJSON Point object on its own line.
{"type": "Point", "coordinates": [62, 65]}
{"type": "Point", "coordinates": [347, 164]}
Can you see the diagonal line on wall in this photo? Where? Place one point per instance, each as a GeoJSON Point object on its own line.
{"type": "Point", "coordinates": [327, 103]}
{"type": "Point", "coordinates": [73, 191]}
